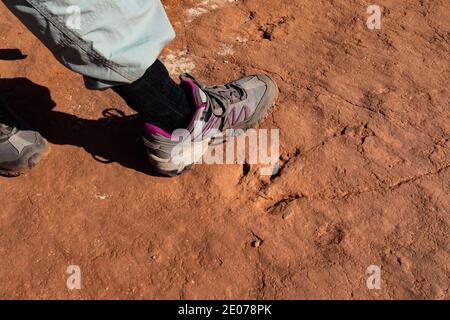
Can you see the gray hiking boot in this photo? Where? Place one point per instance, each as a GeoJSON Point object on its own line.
{"type": "Point", "coordinates": [238, 106]}
{"type": "Point", "coordinates": [21, 148]}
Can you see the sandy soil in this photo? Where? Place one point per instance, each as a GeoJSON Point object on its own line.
{"type": "Point", "coordinates": [364, 120]}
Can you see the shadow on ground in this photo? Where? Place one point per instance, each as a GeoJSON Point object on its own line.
{"type": "Point", "coordinates": [11, 54]}
{"type": "Point", "coordinates": [112, 138]}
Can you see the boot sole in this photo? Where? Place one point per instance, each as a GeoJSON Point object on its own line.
{"type": "Point", "coordinates": [167, 167]}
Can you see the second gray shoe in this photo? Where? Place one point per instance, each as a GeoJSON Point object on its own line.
{"type": "Point", "coordinates": [21, 147]}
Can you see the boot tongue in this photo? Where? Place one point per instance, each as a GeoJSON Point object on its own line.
{"type": "Point", "coordinates": [197, 99]}
{"type": "Point", "coordinates": [195, 94]}
{"type": "Point", "coordinates": [218, 105]}
{"type": "Point", "coordinates": [209, 97]}
{"type": "Point", "coordinates": [223, 96]}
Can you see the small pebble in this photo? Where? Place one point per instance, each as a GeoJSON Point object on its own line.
{"type": "Point", "coordinates": [288, 213]}
{"type": "Point", "coordinates": [256, 243]}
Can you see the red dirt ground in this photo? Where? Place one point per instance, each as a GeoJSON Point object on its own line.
{"type": "Point", "coordinates": [364, 119]}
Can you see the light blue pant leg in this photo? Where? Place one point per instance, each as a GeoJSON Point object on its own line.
{"type": "Point", "coordinates": [108, 42]}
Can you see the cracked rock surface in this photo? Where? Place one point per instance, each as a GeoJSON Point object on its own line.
{"type": "Point", "coordinates": [363, 177]}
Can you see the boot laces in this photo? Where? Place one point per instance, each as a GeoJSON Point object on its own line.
{"type": "Point", "coordinates": [221, 96]}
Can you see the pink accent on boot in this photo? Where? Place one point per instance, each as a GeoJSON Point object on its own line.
{"type": "Point", "coordinates": [152, 129]}
{"type": "Point", "coordinates": [199, 107]}
{"type": "Point", "coordinates": [194, 88]}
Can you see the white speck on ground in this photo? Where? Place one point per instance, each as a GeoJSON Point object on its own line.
{"type": "Point", "coordinates": [101, 196]}
{"type": "Point", "coordinates": [204, 7]}
{"type": "Point", "coordinates": [241, 39]}
{"type": "Point", "coordinates": [178, 62]}
{"type": "Point", "coordinates": [225, 50]}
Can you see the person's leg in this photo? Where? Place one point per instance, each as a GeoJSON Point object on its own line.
{"type": "Point", "coordinates": [108, 42]}
{"type": "Point", "coordinates": [117, 44]}
{"type": "Point", "coordinates": [112, 44]}
{"type": "Point", "coordinates": [158, 99]}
